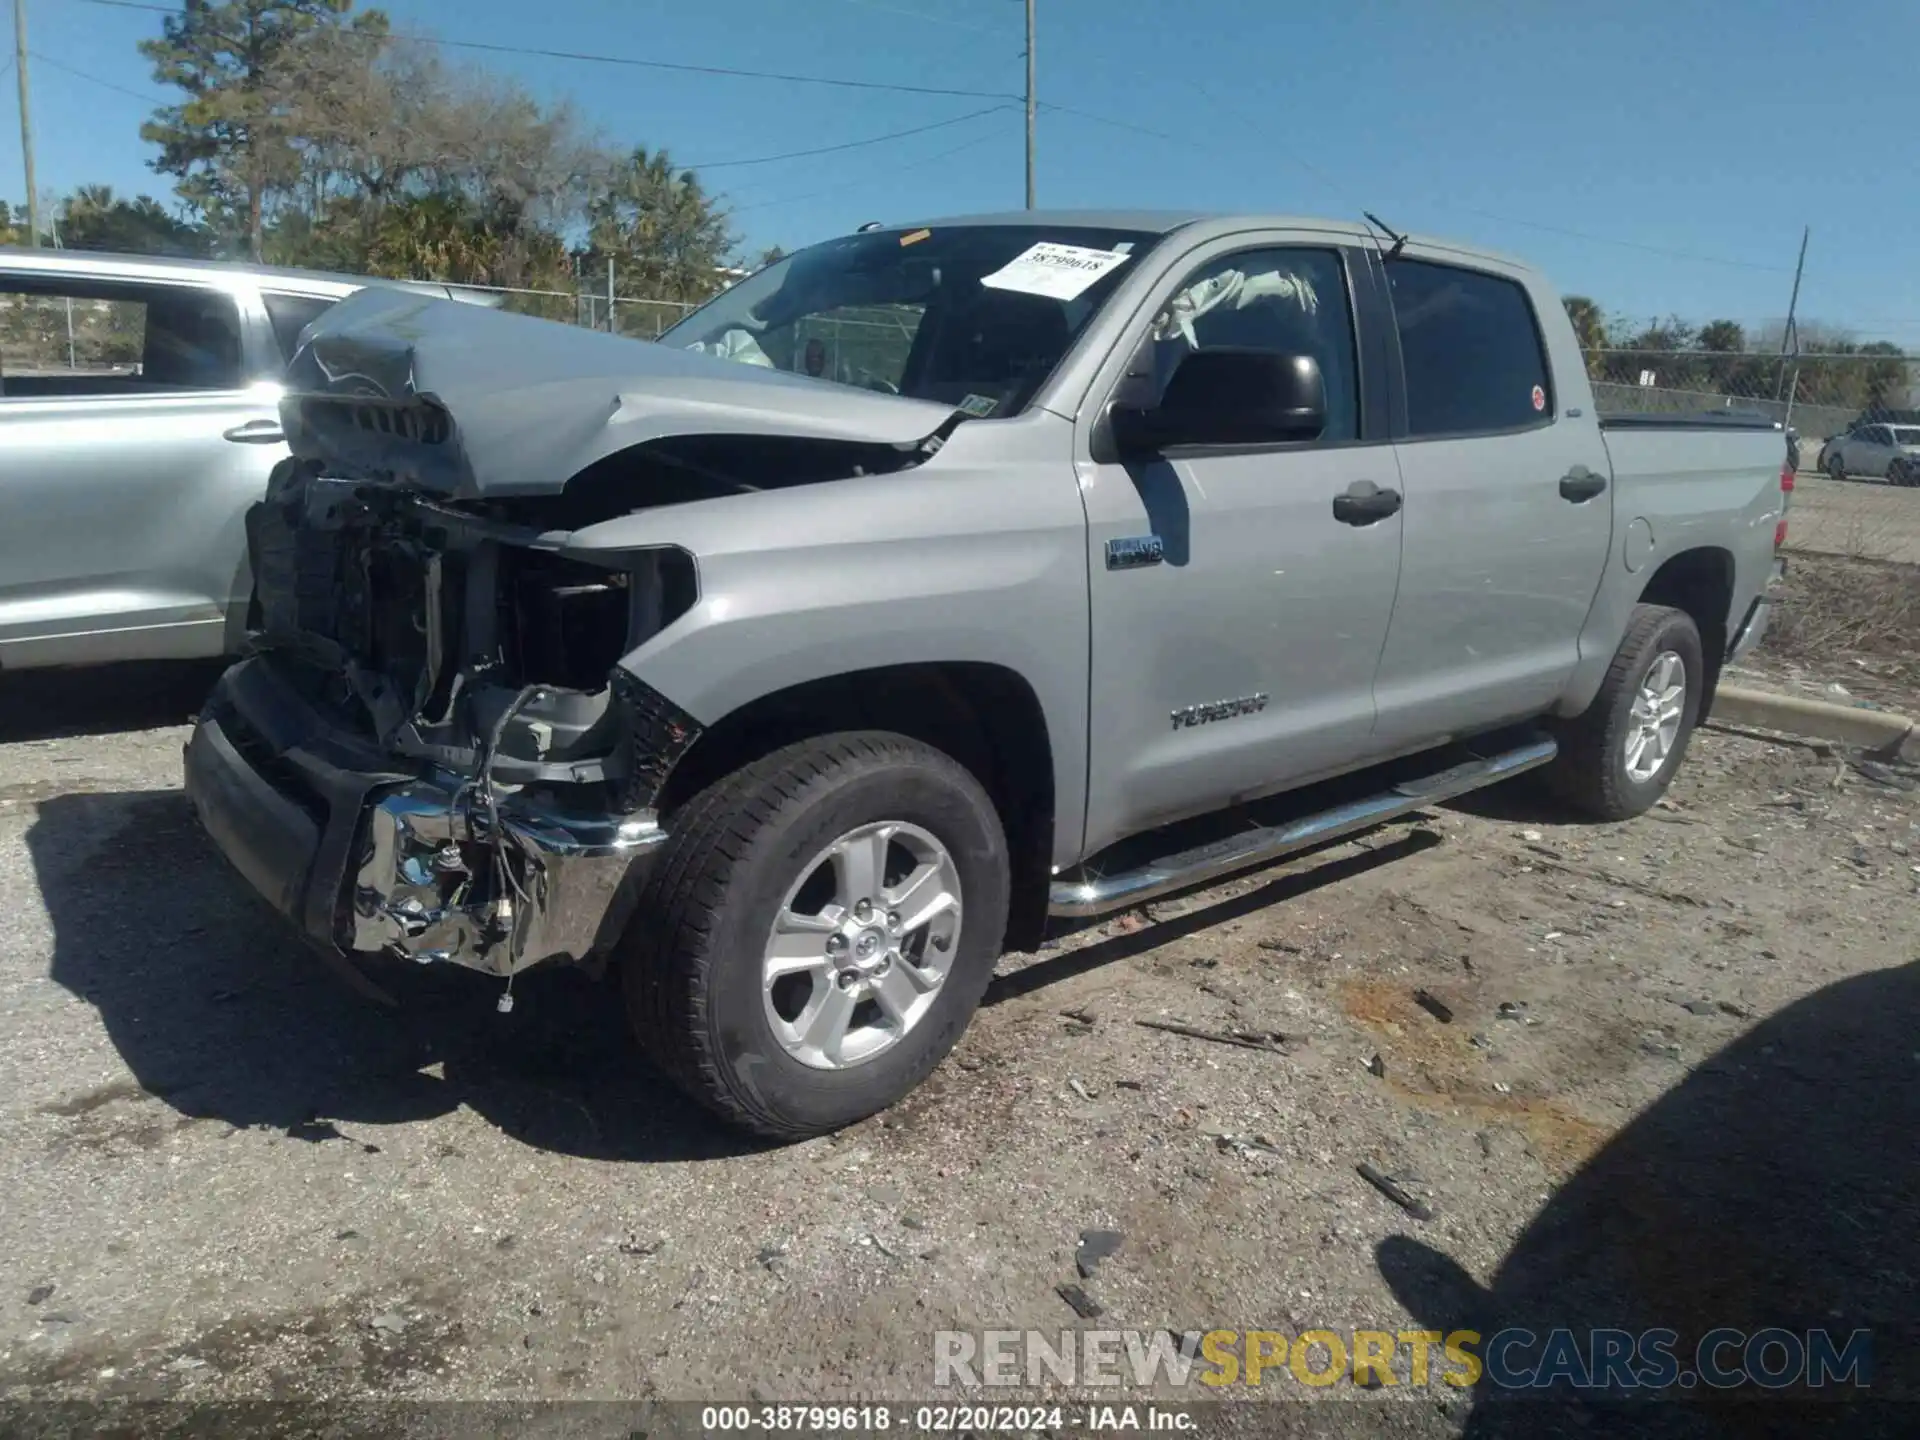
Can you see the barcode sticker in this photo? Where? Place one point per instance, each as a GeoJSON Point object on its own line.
{"type": "Point", "coordinates": [1061, 272]}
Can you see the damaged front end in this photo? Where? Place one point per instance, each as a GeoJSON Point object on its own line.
{"type": "Point", "coordinates": [436, 748]}
{"type": "Point", "coordinates": [433, 751]}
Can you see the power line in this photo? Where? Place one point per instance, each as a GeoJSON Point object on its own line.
{"type": "Point", "coordinates": [923, 15]}
{"type": "Point", "coordinates": [673, 66]}
{"type": "Point", "coordinates": [850, 144]}
{"type": "Point", "coordinates": [1623, 244]}
{"type": "Point", "coordinates": [921, 164]}
{"type": "Point", "coordinates": [46, 59]}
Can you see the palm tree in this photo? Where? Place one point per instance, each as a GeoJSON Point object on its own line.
{"type": "Point", "coordinates": [666, 235]}
{"type": "Point", "coordinates": [1589, 324]}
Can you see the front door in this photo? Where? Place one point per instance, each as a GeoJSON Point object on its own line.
{"type": "Point", "coordinates": [1872, 452]}
{"type": "Point", "coordinates": [1236, 621]}
{"type": "Point", "coordinates": [1509, 516]}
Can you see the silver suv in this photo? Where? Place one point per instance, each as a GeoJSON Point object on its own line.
{"type": "Point", "coordinates": [139, 419]}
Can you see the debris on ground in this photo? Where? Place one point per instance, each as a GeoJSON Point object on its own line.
{"type": "Point", "coordinates": [1377, 1068]}
{"type": "Point", "coordinates": [1417, 1208]}
{"type": "Point", "coordinates": [1434, 1006]}
{"type": "Point", "coordinates": [1271, 1041]}
{"type": "Point", "coordinates": [39, 1293]}
{"type": "Point", "coordinates": [1095, 1246]}
{"type": "Point", "coordinates": [1245, 1145]}
{"type": "Point", "coordinates": [1084, 1305]}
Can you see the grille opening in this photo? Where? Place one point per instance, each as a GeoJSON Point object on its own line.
{"type": "Point", "coordinates": [562, 622]}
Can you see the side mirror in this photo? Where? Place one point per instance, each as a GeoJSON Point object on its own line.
{"type": "Point", "coordinates": [1229, 397]}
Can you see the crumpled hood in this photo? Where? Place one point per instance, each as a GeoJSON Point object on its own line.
{"type": "Point", "coordinates": [468, 402]}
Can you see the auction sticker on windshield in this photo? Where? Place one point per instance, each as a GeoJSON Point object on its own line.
{"type": "Point", "coordinates": [1060, 272]}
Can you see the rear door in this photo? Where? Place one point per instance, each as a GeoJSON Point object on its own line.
{"type": "Point", "coordinates": [131, 439]}
{"type": "Point", "coordinates": [1236, 622]}
{"type": "Point", "coordinates": [1508, 522]}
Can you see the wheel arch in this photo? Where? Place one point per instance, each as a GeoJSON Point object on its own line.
{"type": "Point", "coordinates": [986, 716]}
{"type": "Point", "coordinates": [1699, 583]}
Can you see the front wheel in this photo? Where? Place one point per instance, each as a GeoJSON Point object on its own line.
{"type": "Point", "coordinates": [1619, 755]}
{"type": "Point", "coordinates": [818, 933]}
{"type": "Point", "coordinates": [1836, 469]}
{"type": "Point", "coordinates": [1902, 473]}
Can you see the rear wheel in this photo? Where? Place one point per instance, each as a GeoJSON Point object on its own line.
{"type": "Point", "coordinates": [1902, 473]}
{"type": "Point", "coordinates": [819, 931]}
{"type": "Point", "coordinates": [1619, 756]}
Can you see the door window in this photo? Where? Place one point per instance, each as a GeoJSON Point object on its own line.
{"type": "Point", "coordinates": [73, 336]}
{"type": "Point", "coordinates": [290, 315]}
{"type": "Point", "coordinates": [1471, 351]}
{"type": "Point", "coordinates": [1291, 302]}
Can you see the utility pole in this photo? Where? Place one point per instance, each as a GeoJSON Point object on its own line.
{"type": "Point", "coordinates": [1790, 336]}
{"type": "Point", "coordinates": [26, 118]}
{"type": "Point", "coordinates": [1030, 100]}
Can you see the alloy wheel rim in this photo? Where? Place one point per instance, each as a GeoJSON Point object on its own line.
{"type": "Point", "coordinates": [1653, 722]}
{"type": "Point", "coordinates": [861, 945]}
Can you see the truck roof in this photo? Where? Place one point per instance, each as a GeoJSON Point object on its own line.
{"type": "Point", "coordinates": [1212, 222]}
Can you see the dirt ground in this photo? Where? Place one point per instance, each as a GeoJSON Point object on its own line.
{"type": "Point", "coordinates": [1677, 1087]}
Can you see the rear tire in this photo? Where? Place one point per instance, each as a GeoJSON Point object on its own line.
{"type": "Point", "coordinates": [1902, 474]}
{"type": "Point", "coordinates": [1618, 756]}
{"type": "Point", "coordinates": [771, 842]}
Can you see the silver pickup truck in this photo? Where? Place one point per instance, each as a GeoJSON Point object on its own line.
{"type": "Point", "coordinates": [931, 582]}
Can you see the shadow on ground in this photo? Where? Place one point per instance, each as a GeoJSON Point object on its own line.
{"type": "Point", "coordinates": [1778, 1185]}
{"type": "Point", "coordinates": [103, 699]}
{"type": "Point", "coordinates": [219, 1010]}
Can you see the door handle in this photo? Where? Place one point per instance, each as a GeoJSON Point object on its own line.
{"type": "Point", "coordinates": [1581, 484]}
{"type": "Point", "coordinates": [1365, 503]}
{"type": "Point", "coordinates": [256, 432]}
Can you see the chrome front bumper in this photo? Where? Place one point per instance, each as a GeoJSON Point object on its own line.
{"type": "Point", "coordinates": [364, 857]}
{"type": "Point", "coordinates": [423, 856]}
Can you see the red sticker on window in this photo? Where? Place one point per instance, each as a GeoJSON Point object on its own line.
{"type": "Point", "coordinates": [1539, 398]}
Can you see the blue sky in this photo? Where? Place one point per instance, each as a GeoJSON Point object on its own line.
{"type": "Point", "coordinates": [1660, 155]}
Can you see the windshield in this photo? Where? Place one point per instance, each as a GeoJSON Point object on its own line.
{"type": "Point", "coordinates": [974, 316]}
{"type": "Point", "coordinates": [1906, 434]}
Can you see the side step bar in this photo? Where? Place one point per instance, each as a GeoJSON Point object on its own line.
{"type": "Point", "coordinates": [1185, 869]}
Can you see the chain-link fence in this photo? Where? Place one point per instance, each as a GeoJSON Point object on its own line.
{"type": "Point", "coordinates": [1856, 416]}
{"type": "Point", "coordinates": [590, 307]}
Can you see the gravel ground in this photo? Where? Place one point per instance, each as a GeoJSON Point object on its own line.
{"type": "Point", "coordinates": [1678, 1086]}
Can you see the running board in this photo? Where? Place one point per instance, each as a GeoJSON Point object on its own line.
{"type": "Point", "coordinates": [1185, 869]}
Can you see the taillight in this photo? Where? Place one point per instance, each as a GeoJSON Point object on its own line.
{"type": "Point", "coordinates": [1786, 479]}
{"type": "Point", "coordinates": [1779, 534]}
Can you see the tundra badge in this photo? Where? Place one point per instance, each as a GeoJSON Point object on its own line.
{"type": "Point", "coordinates": [1218, 710]}
{"type": "Point", "coordinates": [1135, 551]}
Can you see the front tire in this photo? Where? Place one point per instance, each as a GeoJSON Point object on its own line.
{"type": "Point", "coordinates": [818, 932]}
{"type": "Point", "coordinates": [1836, 468]}
{"type": "Point", "coordinates": [1618, 756]}
{"type": "Point", "coordinates": [1902, 474]}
